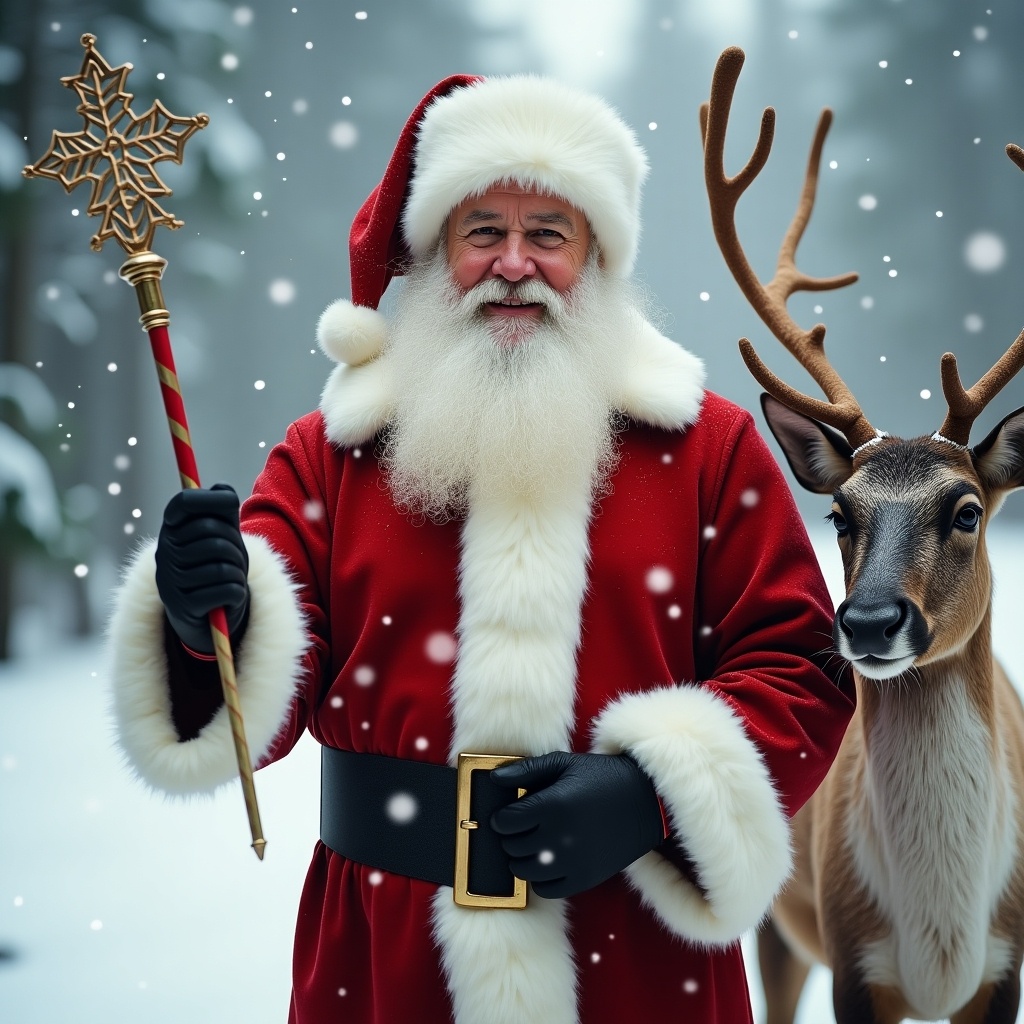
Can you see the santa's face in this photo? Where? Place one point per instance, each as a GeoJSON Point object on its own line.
{"type": "Point", "coordinates": [516, 236]}
{"type": "Point", "coordinates": [492, 407]}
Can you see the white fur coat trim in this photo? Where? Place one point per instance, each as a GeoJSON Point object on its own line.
{"type": "Point", "coordinates": [663, 386]}
{"type": "Point", "coordinates": [267, 667]}
{"type": "Point", "coordinates": [523, 576]}
{"type": "Point", "coordinates": [721, 805]}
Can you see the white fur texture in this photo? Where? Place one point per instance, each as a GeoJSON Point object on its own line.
{"type": "Point", "coordinates": [523, 575]}
{"type": "Point", "coordinates": [721, 804]}
{"type": "Point", "coordinates": [507, 966]}
{"type": "Point", "coordinates": [357, 402]}
{"type": "Point", "coordinates": [267, 666]}
{"type": "Point", "coordinates": [664, 383]}
{"type": "Point", "coordinates": [535, 132]}
{"type": "Point", "coordinates": [351, 334]}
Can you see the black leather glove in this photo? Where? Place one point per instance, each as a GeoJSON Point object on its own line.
{"type": "Point", "coordinates": [585, 817]}
{"type": "Point", "coordinates": [202, 564]}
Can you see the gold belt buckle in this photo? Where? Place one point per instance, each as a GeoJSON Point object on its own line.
{"type": "Point", "coordinates": [469, 763]}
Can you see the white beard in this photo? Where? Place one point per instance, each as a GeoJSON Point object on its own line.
{"type": "Point", "coordinates": [503, 407]}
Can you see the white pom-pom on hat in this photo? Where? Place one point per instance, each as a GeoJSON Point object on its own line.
{"type": "Point", "coordinates": [351, 334]}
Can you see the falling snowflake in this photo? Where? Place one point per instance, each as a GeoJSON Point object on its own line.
{"type": "Point", "coordinates": [666, 458]}
{"type": "Point", "coordinates": [973, 323]}
{"type": "Point", "coordinates": [674, 611]}
{"type": "Point", "coordinates": [364, 675]}
{"type": "Point", "coordinates": [402, 808]}
{"type": "Point", "coordinates": [867, 202]}
{"type": "Point", "coordinates": [422, 743]}
{"type": "Point", "coordinates": [705, 631]}
{"type": "Point", "coordinates": [690, 986]}
{"type": "Point", "coordinates": [441, 648]}
{"type": "Point", "coordinates": [749, 498]}
{"type": "Point", "coordinates": [96, 925]}
{"type": "Point", "coordinates": [313, 510]}
{"type": "Point", "coordinates": [709, 532]}
{"type": "Point", "coordinates": [343, 135]}
{"type": "Point", "coordinates": [984, 252]}
{"type": "Point", "coordinates": [659, 580]}
{"type": "Point", "coordinates": [336, 702]}
{"type": "Point", "coordinates": [925, 393]}
{"type": "Point", "coordinates": [595, 958]}
{"type": "Point", "coordinates": [375, 878]}
{"type": "Point", "coordinates": [546, 857]}
{"type": "Point", "coordinates": [281, 291]}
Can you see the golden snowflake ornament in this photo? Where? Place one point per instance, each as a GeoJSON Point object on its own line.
{"type": "Point", "coordinates": [116, 153]}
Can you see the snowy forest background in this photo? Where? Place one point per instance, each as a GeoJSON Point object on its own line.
{"type": "Point", "coordinates": [306, 99]}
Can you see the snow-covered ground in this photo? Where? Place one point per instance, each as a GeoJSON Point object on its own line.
{"type": "Point", "coordinates": [119, 905]}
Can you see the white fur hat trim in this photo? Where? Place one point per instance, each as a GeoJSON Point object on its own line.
{"type": "Point", "coordinates": [538, 133]}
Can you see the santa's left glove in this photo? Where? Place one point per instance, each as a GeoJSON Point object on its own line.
{"type": "Point", "coordinates": [585, 817]}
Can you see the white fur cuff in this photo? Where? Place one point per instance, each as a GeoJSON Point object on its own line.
{"type": "Point", "coordinates": [267, 666]}
{"type": "Point", "coordinates": [721, 804]}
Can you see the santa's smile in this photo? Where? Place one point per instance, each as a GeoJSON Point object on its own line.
{"type": "Point", "coordinates": [514, 307]}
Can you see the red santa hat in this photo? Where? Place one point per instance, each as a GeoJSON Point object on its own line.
{"type": "Point", "coordinates": [466, 135]}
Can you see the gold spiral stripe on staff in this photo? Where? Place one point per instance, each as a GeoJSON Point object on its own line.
{"type": "Point", "coordinates": [179, 431]}
{"type": "Point", "coordinates": [168, 377]}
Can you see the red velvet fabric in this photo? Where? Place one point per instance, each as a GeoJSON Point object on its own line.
{"type": "Point", "coordinates": [747, 615]}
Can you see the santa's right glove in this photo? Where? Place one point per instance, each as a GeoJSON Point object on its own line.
{"type": "Point", "coordinates": [585, 817]}
{"type": "Point", "coordinates": [202, 564]}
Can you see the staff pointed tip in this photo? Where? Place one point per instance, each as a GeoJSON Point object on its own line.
{"type": "Point", "coordinates": [259, 845]}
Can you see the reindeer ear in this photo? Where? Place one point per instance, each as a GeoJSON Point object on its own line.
{"type": "Point", "coordinates": [820, 457]}
{"type": "Point", "coordinates": [999, 459]}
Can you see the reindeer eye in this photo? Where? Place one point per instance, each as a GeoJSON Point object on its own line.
{"type": "Point", "coordinates": [838, 520]}
{"type": "Point", "coordinates": [968, 518]}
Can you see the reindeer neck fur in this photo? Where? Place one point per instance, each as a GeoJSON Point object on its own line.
{"type": "Point", "coordinates": [931, 828]}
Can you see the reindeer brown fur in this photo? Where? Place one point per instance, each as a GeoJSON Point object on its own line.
{"type": "Point", "coordinates": [909, 878]}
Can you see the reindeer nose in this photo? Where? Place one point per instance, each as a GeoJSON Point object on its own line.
{"type": "Point", "coordinates": [870, 627]}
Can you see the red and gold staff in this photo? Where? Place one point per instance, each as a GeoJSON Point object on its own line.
{"type": "Point", "coordinates": [116, 153]}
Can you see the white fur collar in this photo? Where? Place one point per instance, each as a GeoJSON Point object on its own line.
{"type": "Point", "coordinates": [663, 387]}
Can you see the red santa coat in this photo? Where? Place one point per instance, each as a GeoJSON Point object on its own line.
{"type": "Point", "coordinates": [680, 619]}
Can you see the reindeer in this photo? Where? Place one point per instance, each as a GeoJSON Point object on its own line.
{"type": "Point", "coordinates": [909, 876]}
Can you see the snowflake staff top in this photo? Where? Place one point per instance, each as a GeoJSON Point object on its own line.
{"type": "Point", "coordinates": [116, 152]}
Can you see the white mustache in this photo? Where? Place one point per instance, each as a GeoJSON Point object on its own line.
{"type": "Point", "coordinates": [495, 290]}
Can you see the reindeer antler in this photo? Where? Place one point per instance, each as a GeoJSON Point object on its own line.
{"type": "Point", "coordinates": [964, 407]}
{"type": "Point", "coordinates": [842, 410]}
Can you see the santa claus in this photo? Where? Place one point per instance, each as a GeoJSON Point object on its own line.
{"type": "Point", "coordinates": [516, 527]}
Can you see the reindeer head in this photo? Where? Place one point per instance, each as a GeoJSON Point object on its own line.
{"type": "Point", "coordinates": [910, 514]}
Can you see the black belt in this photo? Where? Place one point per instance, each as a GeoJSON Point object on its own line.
{"type": "Point", "coordinates": [425, 821]}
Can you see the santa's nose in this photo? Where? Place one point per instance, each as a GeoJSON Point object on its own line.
{"type": "Point", "coordinates": [511, 261]}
